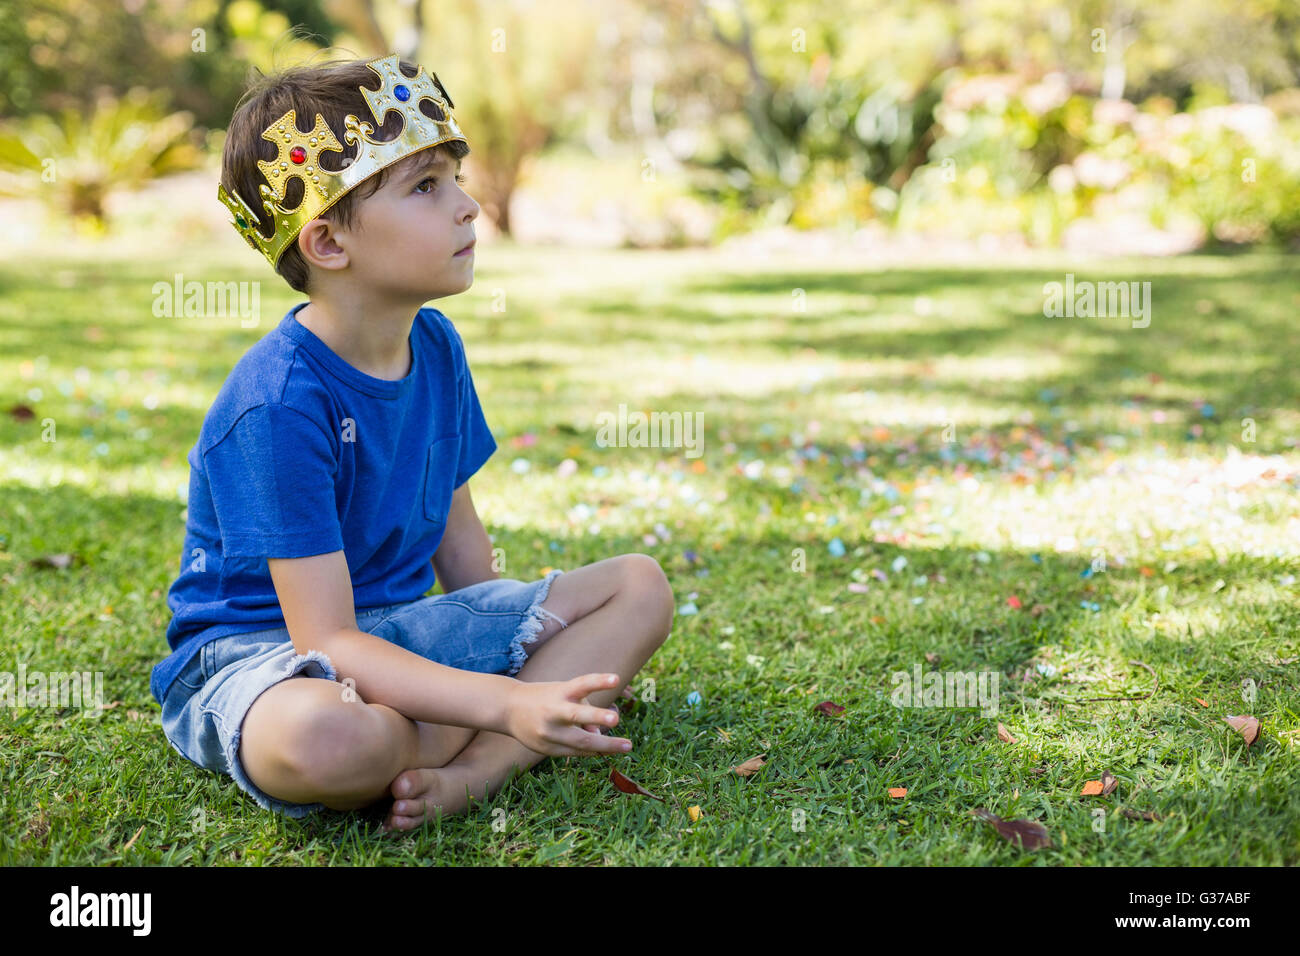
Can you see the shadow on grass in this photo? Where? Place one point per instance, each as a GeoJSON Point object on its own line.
{"type": "Point", "coordinates": [1226, 339]}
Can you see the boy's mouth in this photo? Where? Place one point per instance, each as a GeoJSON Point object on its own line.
{"type": "Point", "coordinates": [467, 250]}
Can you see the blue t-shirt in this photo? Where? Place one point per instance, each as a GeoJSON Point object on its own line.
{"type": "Point", "coordinates": [303, 454]}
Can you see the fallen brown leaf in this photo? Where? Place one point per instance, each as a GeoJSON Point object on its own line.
{"type": "Point", "coordinates": [750, 766]}
{"type": "Point", "coordinates": [21, 413]}
{"type": "Point", "coordinates": [1027, 833]}
{"type": "Point", "coordinates": [829, 708]}
{"type": "Point", "coordinates": [1108, 783]}
{"type": "Point", "coordinates": [1091, 789]}
{"type": "Point", "coordinates": [1004, 735]}
{"type": "Point", "coordinates": [58, 561]}
{"type": "Point", "coordinates": [931, 657]}
{"type": "Point", "coordinates": [1245, 725]}
{"type": "Point", "coordinates": [1038, 609]}
{"type": "Point", "coordinates": [1201, 702]}
{"type": "Point", "coordinates": [630, 786]}
{"type": "Point", "coordinates": [1148, 815]}
{"type": "Point", "coordinates": [897, 792]}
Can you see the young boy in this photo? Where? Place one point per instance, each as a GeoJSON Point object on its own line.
{"type": "Point", "coordinates": [330, 483]}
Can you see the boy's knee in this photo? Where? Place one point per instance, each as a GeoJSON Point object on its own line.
{"type": "Point", "coordinates": [644, 579]}
{"type": "Point", "coordinates": [326, 743]}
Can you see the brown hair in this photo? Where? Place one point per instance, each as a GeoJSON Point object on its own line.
{"type": "Point", "coordinates": [333, 91]}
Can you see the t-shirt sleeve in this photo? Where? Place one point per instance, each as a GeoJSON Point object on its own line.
{"type": "Point", "coordinates": [272, 483]}
{"type": "Point", "coordinates": [476, 442]}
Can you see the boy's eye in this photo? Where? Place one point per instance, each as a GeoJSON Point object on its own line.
{"type": "Point", "coordinates": [434, 184]}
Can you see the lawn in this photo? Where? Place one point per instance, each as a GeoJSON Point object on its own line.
{"type": "Point", "coordinates": [903, 468]}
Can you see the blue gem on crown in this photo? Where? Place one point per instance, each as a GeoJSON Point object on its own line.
{"type": "Point", "coordinates": [401, 92]}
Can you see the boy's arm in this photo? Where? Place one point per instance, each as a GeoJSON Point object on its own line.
{"type": "Point", "coordinates": [464, 556]}
{"type": "Point", "coordinates": [316, 597]}
{"type": "Point", "coordinates": [549, 717]}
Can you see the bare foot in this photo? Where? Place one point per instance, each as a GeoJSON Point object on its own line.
{"type": "Point", "coordinates": [424, 792]}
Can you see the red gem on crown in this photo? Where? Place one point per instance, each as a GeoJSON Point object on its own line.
{"type": "Point", "coordinates": [298, 155]}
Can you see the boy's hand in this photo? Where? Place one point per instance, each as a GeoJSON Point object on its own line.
{"type": "Point", "coordinates": [549, 717]}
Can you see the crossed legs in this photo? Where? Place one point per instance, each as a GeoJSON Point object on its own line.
{"type": "Point", "coordinates": [301, 742]}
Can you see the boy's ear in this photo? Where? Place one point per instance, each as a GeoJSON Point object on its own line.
{"type": "Point", "coordinates": [317, 244]}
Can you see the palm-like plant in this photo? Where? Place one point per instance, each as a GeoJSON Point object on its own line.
{"type": "Point", "coordinates": [74, 161]}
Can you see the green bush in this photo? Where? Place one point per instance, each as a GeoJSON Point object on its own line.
{"type": "Point", "coordinates": [1034, 158]}
{"type": "Point", "coordinates": [73, 161]}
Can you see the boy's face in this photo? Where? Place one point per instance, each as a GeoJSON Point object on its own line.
{"type": "Point", "coordinates": [407, 233]}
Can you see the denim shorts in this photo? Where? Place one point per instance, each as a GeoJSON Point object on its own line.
{"type": "Point", "coordinates": [479, 628]}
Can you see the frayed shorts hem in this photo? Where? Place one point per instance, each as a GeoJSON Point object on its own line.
{"type": "Point", "coordinates": [298, 664]}
{"type": "Point", "coordinates": [532, 624]}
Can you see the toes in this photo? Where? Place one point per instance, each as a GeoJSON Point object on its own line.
{"type": "Point", "coordinates": [405, 784]}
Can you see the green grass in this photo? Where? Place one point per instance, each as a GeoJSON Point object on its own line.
{"type": "Point", "coordinates": [1126, 465]}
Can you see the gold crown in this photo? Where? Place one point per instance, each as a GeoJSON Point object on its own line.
{"type": "Point", "coordinates": [300, 154]}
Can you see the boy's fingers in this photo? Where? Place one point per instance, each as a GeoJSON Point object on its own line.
{"type": "Point", "coordinates": [601, 716]}
{"type": "Point", "coordinates": [584, 744]}
{"type": "Point", "coordinates": [589, 683]}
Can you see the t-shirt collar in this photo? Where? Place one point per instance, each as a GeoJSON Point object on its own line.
{"type": "Point", "coordinates": [348, 374]}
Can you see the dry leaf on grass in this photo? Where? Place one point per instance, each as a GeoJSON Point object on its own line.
{"type": "Point", "coordinates": [829, 708]}
{"type": "Point", "coordinates": [1201, 702]}
{"type": "Point", "coordinates": [1245, 725]}
{"type": "Point", "coordinates": [1148, 815]}
{"type": "Point", "coordinates": [1028, 834]}
{"type": "Point", "coordinates": [750, 766]}
{"type": "Point", "coordinates": [630, 786]}
{"type": "Point", "coordinates": [1101, 788]}
{"type": "Point", "coordinates": [1004, 735]}
{"type": "Point", "coordinates": [897, 792]}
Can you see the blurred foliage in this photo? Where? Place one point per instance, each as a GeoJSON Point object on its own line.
{"type": "Point", "coordinates": [1035, 157]}
{"type": "Point", "coordinates": [57, 54]}
{"type": "Point", "coordinates": [809, 112]}
{"type": "Point", "coordinates": [73, 161]}
{"type": "Point", "coordinates": [822, 113]}
{"type": "Point", "coordinates": [513, 75]}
